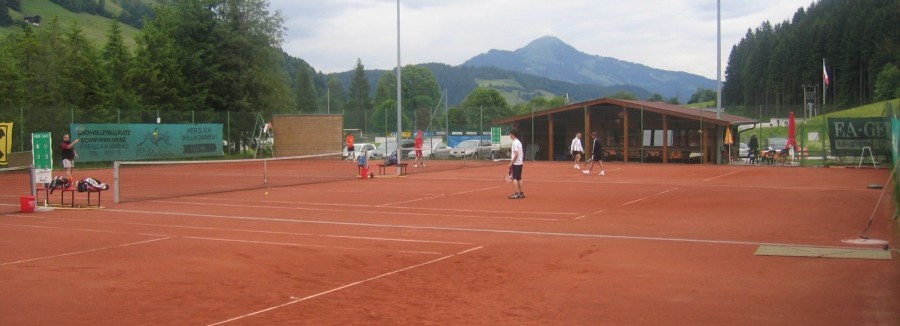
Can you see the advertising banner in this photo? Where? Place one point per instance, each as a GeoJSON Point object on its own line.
{"type": "Point", "coordinates": [5, 142]}
{"type": "Point", "coordinates": [126, 142]}
{"type": "Point", "coordinates": [850, 135]}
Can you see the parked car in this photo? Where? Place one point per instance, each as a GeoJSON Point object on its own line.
{"type": "Point", "coordinates": [473, 148]}
{"type": "Point", "coordinates": [359, 148]}
{"type": "Point", "coordinates": [387, 148]}
{"type": "Point", "coordinates": [743, 150]}
{"type": "Point", "coordinates": [439, 150]}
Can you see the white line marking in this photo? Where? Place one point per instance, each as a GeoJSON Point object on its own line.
{"type": "Point", "coordinates": [438, 196]}
{"type": "Point", "coordinates": [84, 251]}
{"type": "Point", "coordinates": [411, 201]}
{"type": "Point", "coordinates": [653, 195]}
{"type": "Point", "coordinates": [356, 205]}
{"type": "Point", "coordinates": [724, 175]}
{"type": "Point", "coordinates": [358, 211]}
{"type": "Point", "coordinates": [459, 229]}
{"type": "Point", "coordinates": [311, 246]}
{"type": "Point", "coordinates": [84, 230]}
{"type": "Point", "coordinates": [275, 232]}
{"type": "Point", "coordinates": [338, 288]}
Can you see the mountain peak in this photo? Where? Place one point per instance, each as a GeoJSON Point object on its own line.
{"type": "Point", "coordinates": [550, 57]}
{"type": "Point", "coordinates": [548, 45]}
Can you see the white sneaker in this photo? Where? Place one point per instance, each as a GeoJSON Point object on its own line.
{"type": "Point", "coordinates": [423, 165]}
{"type": "Point", "coordinates": [415, 165]}
{"type": "Point", "coordinates": [602, 172]}
{"type": "Point", "coordinates": [586, 172]}
{"type": "Point", "coordinates": [577, 167]}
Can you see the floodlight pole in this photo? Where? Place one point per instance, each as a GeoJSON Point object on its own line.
{"type": "Point", "coordinates": [718, 59]}
{"type": "Point", "coordinates": [399, 98]}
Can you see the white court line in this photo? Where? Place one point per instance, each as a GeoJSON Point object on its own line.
{"type": "Point", "coordinates": [445, 195]}
{"type": "Point", "coordinates": [640, 199]}
{"type": "Point", "coordinates": [724, 175]}
{"type": "Point", "coordinates": [411, 200]}
{"type": "Point", "coordinates": [85, 251]}
{"type": "Point", "coordinates": [586, 215]}
{"type": "Point", "coordinates": [82, 230]}
{"type": "Point", "coordinates": [459, 229]}
{"type": "Point", "coordinates": [341, 288]}
{"type": "Point", "coordinates": [312, 246]}
{"type": "Point", "coordinates": [359, 205]}
{"type": "Point", "coordinates": [355, 211]}
{"type": "Point", "coordinates": [277, 232]}
{"type": "Point", "coordinates": [23, 215]}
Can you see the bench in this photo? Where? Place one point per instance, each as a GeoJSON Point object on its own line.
{"type": "Point", "coordinates": [62, 195]}
{"type": "Point", "coordinates": [71, 192]}
{"type": "Point", "coordinates": [382, 168]}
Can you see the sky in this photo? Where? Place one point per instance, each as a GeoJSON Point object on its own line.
{"type": "Point", "coordinates": [677, 35]}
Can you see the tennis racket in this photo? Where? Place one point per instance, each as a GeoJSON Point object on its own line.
{"type": "Point", "coordinates": [508, 176]}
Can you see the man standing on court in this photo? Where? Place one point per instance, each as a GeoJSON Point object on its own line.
{"type": "Point", "coordinates": [351, 151]}
{"type": "Point", "coordinates": [67, 148]}
{"type": "Point", "coordinates": [515, 165]}
{"type": "Point", "coordinates": [419, 150]}
{"type": "Point", "coordinates": [596, 154]}
{"type": "Point", "coordinates": [577, 149]}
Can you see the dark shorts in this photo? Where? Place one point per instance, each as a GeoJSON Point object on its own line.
{"type": "Point", "coordinates": [517, 172]}
{"type": "Point", "coordinates": [597, 157]}
{"type": "Point", "coordinates": [577, 153]}
{"type": "Point", "coordinates": [350, 149]}
{"type": "Point", "coordinates": [418, 153]}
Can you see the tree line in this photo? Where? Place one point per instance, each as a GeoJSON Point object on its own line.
{"type": "Point", "coordinates": [204, 56]}
{"type": "Point", "coordinates": [858, 40]}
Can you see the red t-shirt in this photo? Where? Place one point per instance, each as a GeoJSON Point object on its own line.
{"type": "Point", "coordinates": [419, 142]}
{"type": "Point", "coordinates": [350, 140]}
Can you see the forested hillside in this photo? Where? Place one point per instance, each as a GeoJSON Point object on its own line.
{"type": "Point", "coordinates": [858, 40]}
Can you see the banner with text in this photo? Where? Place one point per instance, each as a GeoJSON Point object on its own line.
{"type": "Point", "coordinates": [850, 135]}
{"type": "Point", "coordinates": [125, 142]}
{"type": "Point", "coordinates": [5, 142]}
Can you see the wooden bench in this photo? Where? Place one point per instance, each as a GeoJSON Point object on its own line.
{"type": "Point", "coordinates": [382, 168]}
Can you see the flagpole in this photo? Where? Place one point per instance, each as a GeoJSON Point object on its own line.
{"type": "Point", "coordinates": [824, 85]}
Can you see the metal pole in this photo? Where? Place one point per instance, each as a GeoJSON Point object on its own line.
{"type": "Point", "coordinates": [116, 182]}
{"type": "Point", "coordinates": [718, 59]}
{"type": "Point", "coordinates": [399, 92]}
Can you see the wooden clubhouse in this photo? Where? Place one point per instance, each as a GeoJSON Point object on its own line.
{"type": "Point", "coordinates": [631, 131]}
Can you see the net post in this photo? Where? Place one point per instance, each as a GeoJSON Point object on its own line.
{"type": "Point", "coordinates": [33, 180]}
{"type": "Point", "coordinates": [116, 182]}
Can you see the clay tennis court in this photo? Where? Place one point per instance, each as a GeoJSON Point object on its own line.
{"type": "Point", "coordinates": [645, 244]}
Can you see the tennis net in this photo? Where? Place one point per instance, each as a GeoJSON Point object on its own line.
{"type": "Point", "coordinates": [143, 180]}
{"type": "Point", "coordinates": [16, 182]}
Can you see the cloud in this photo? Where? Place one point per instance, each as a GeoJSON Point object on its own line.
{"type": "Point", "coordinates": [675, 35]}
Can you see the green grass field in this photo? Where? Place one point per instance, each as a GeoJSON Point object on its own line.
{"type": "Point", "coordinates": [94, 27]}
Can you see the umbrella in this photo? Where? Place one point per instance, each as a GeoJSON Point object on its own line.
{"type": "Point", "coordinates": [792, 134]}
{"type": "Point", "coordinates": [728, 141]}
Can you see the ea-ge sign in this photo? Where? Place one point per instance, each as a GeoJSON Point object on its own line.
{"type": "Point", "coordinates": [850, 135]}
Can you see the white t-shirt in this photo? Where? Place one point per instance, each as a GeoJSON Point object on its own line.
{"type": "Point", "coordinates": [576, 145]}
{"type": "Point", "coordinates": [517, 148]}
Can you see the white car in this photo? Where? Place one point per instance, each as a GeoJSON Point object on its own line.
{"type": "Point", "coordinates": [359, 148]}
{"type": "Point", "coordinates": [440, 150]}
{"type": "Point", "coordinates": [472, 148]}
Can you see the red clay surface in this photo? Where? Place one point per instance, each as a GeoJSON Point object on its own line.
{"type": "Point", "coordinates": [644, 245]}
